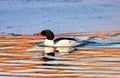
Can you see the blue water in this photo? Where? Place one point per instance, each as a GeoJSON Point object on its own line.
{"type": "Point", "coordinates": [22, 16]}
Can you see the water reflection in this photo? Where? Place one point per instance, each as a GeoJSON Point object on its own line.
{"type": "Point", "coordinates": [51, 52]}
{"type": "Point", "coordinates": [22, 59]}
{"type": "Point", "coordinates": [48, 53]}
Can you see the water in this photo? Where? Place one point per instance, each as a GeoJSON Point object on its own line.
{"type": "Point", "coordinates": [19, 58]}
{"type": "Point", "coordinates": [60, 16]}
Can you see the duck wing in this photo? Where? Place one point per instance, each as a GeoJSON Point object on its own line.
{"type": "Point", "coordinates": [63, 38]}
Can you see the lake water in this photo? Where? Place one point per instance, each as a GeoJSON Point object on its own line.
{"type": "Point", "coordinates": [20, 57]}
{"type": "Point", "coordinates": [27, 16]}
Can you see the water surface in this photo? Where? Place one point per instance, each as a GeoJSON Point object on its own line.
{"type": "Point", "coordinates": [21, 58]}
{"type": "Point", "coordinates": [59, 15]}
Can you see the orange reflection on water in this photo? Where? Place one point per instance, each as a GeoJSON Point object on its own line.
{"type": "Point", "coordinates": [20, 58]}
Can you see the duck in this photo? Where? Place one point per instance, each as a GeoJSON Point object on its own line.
{"type": "Point", "coordinates": [58, 42]}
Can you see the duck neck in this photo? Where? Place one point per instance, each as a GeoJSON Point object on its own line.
{"type": "Point", "coordinates": [49, 42]}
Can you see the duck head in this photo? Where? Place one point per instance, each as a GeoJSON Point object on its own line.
{"type": "Point", "coordinates": [48, 33]}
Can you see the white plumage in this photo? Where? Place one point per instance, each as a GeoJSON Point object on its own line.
{"type": "Point", "coordinates": [61, 43]}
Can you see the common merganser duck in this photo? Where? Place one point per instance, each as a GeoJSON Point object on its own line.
{"type": "Point", "coordinates": [59, 42]}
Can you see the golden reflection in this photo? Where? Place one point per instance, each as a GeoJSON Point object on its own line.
{"type": "Point", "coordinates": [18, 61]}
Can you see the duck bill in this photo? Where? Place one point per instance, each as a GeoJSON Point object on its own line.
{"type": "Point", "coordinates": [37, 34]}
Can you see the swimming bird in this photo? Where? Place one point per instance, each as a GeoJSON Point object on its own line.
{"type": "Point", "coordinates": [58, 42]}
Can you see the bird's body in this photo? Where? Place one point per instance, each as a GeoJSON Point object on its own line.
{"type": "Point", "coordinates": [61, 43]}
{"type": "Point", "coordinates": [58, 42]}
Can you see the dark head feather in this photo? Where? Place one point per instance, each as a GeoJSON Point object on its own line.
{"type": "Point", "coordinates": [48, 33]}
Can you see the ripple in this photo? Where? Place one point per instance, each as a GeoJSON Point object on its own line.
{"type": "Point", "coordinates": [90, 60]}
{"type": "Point", "coordinates": [101, 58]}
{"type": "Point", "coordinates": [9, 47]}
